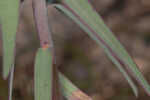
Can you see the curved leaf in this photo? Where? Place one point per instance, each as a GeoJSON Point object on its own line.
{"type": "Point", "coordinates": [120, 67]}
{"type": "Point", "coordinates": [88, 19]}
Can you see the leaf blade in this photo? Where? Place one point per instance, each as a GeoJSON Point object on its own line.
{"type": "Point", "coordinates": [70, 91]}
{"type": "Point", "coordinates": [9, 14]}
{"type": "Point", "coordinates": [96, 28]}
{"type": "Point", "coordinates": [43, 75]}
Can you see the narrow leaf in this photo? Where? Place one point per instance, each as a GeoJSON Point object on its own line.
{"type": "Point", "coordinates": [70, 91]}
{"type": "Point", "coordinates": [9, 10]}
{"type": "Point", "coordinates": [88, 19]}
{"type": "Point", "coordinates": [120, 67]}
{"type": "Point", "coordinates": [43, 75]}
{"type": "Point", "coordinates": [125, 74]}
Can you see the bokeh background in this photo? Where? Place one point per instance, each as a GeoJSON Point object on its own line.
{"type": "Point", "coordinates": [78, 56]}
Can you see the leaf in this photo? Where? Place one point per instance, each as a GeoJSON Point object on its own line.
{"type": "Point", "coordinates": [109, 54]}
{"type": "Point", "coordinates": [9, 12]}
{"type": "Point", "coordinates": [69, 90]}
{"type": "Point", "coordinates": [43, 75]}
{"type": "Point", "coordinates": [88, 19]}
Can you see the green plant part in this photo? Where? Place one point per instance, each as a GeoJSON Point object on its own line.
{"type": "Point", "coordinates": [9, 15]}
{"type": "Point", "coordinates": [42, 27]}
{"type": "Point", "coordinates": [70, 91]}
{"type": "Point", "coordinates": [43, 75]}
{"type": "Point", "coordinates": [109, 54]}
{"type": "Point", "coordinates": [88, 19]}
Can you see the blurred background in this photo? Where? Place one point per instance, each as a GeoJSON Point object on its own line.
{"type": "Point", "coordinates": [78, 56]}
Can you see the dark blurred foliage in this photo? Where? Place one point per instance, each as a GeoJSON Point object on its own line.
{"type": "Point", "coordinates": [79, 57]}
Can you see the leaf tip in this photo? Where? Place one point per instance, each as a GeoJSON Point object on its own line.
{"type": "Point", "coordinates": [4, 75]}
{"type": "Point", "coordinates": [6, 72]}
{"type": "Point", "coordinates": [78, 95]}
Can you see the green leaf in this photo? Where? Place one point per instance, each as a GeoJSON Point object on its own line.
{"type": "Point", "coordinates": [69, 90]}
{"type": "Point", "coordinates": [9, 10]}
{"type": "Point", "coordinates": [88, 19]}
{"type": "Point", "coordinates": [43, 75]}
{"type": "Point", "coordinates": [125, 74]}
{"type": "Point", "coordinates": [67, 87]}
{"type": "Point", "coordinates": [109, 54]}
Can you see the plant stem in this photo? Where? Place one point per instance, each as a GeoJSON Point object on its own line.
{"type": "Point", "coordinates": [45, 36]}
